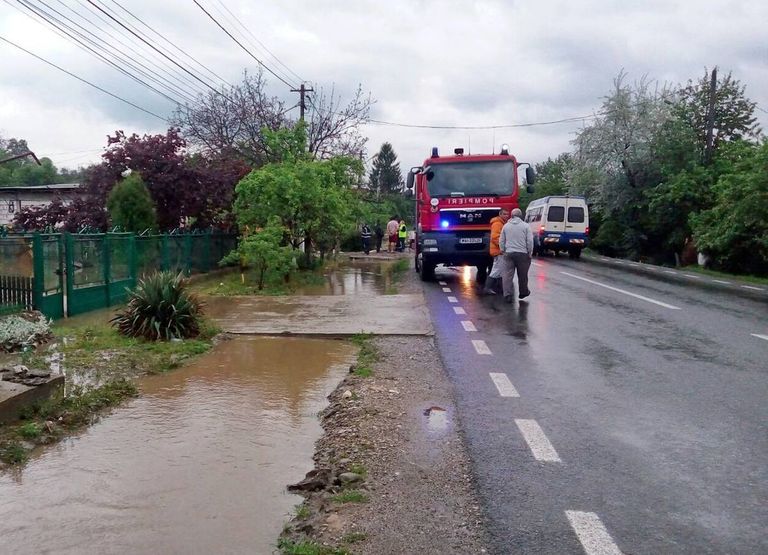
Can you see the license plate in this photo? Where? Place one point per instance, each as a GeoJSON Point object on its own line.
{"type": "Point", "coordinates": [470, 240]}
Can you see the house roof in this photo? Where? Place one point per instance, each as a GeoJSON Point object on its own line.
{"type": "Point", "coordinates": [38, 188]}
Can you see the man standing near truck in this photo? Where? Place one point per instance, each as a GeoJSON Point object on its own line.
{"type": "Point", "coordinates": [497, 224]}
{"type": "Point", "coordinates": [392, 227]}
{"type": "Point", "coordinates": [516, 242]}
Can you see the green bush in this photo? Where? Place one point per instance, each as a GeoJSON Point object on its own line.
{"type": "Point", "coordinates": [130, 205]}
{"type": "Point", "coordinates": [160, 308]}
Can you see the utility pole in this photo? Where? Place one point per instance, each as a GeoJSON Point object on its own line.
{"type": "Point", "coordinates": [711, 117]}
{"type": "Point", "coordinates": [302, 104]}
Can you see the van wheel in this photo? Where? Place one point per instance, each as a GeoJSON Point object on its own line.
{"type": "Point", "coordinates": [575, 254]}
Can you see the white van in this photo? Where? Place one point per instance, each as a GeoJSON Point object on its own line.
{"type": "Point", "coordinates": [559, 224]}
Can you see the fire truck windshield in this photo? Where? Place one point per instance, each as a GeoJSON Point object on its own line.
{"type": "Point", "coordinates": [471, 179]}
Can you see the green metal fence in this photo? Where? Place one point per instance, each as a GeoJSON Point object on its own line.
{"type": "Point", "coordinates": [75, 273]}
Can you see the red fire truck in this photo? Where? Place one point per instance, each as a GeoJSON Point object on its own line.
{"type": "Point", "coordinates": [456, 198]}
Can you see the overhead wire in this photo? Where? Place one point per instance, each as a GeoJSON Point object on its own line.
{"type": "Point", "coordinates": [262, 64]}
{"type": "Point", "coordinates": [105, 91]}
{"type": "Point", "coordinates": [125, 65]}
{"type": "Point", "coordinates": [170, 43]}
{"type": "Point", "coordinates": [145, 41]}
{"type": "Point", "coordinates": [229, 21]}
{"type": "Point", "coordinates": [264, 46]}
{"type": "Point", "coordinates": [150, 56]}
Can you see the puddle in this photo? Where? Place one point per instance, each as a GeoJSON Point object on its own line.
{"type": "Point", "coordinates": [436, 419]}
{"type": "Point", "coordinates": [197, 464]}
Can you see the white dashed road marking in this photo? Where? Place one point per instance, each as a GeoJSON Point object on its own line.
{"type": "Point", "coordinates": [453, 300]}
{"type": "Point", "coordinates": [635, 295]}
{"type": "Point", "coordinates": [446, 289]}
{"type": "Point", "coordinates": [534, 436]}
{"type": "Point", "coordinates": [481, 347]}
{"type": "Point", "coordinates": [459, 310]}
{"type": "Point", "coordinates": [670, 272]}
{"type": "Point", "coordinates": [760, 336]}
{"type": "Point", "coordinates": [442, 283]}
{"type": "Point", "coordinates": [592, 534]}
{"type": "Point", "coordinates": [502, 383]}
{"type": "Point", "coordinates": [536, 263]}
{"type": "Point", "coordinates": [722, 281]}
{"type": "Point", "coordinates": [468, 325]}
{"type": "Point", "coordinates": [692, 276]}
{"type": "Point", "coordinates": [753, 288]}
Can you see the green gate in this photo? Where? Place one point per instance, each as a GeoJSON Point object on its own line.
{"type": "Point", "coordinates": [31, 274]}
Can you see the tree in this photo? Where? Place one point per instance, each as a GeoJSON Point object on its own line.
{"type": "Point", "coordinates": [551, 179]}
{"type": "Point", "coordinates": [312, 199]}
{"type": "Point", "coordinates": [734, 113]}
{"type": "Point", "coordinates": [24, 171]}
{"type": "Point", "coordinates": [385, 176]}
{"type": "Point", "coordinates": [334, 128]}
{"type": "Point", "coordinates": [130, 205]}
{"type": "Point", "coordinates": [734, 232]}
{"type": "Point", "coordinates": [230, 122]}
{"type": "Point", "coordinates": [263, 253]}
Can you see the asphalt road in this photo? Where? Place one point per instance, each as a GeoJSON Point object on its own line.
{"type": "Point", "coordinates": [612, 412]}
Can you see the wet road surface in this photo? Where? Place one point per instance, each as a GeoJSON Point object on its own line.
{"type": "Point", "coordinates": [197, 464]}
{"type": "Point", "coordinates": [612, 412]}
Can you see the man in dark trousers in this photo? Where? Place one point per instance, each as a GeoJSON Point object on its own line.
{"type": "Point", "coordinates": [365, 235]}
{"type": "Point", "coordinates": [379, 234]}
{"type": "Point", "coordinates": [516, 242]}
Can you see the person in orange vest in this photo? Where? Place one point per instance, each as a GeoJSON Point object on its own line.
{"type": "Point", "coordinates": [495, 251]}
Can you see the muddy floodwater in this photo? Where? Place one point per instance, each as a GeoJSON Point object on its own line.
{"type": "Point", "coordinates": [197, 464]}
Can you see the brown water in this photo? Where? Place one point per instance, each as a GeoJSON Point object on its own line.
{"type": "Point", "coordinates": [197, 464]}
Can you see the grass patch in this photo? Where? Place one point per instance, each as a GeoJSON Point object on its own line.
{"type": "Point", "coordinates": [367, 356]}
{"type": "Point", "coordinates": [113, 354]}
{"type": "Point", "coordinates": [29, 430]}
{"type": "Point", "coordinates": [354, 537]}
{"type": "Point", "coordinates": [232, 284]}
{"type": "Point", "coordinates": [12, 452]}
{"type": "Point", "coordinates": [350, 496]}
{"type": "Point", "coordinates": [290, 547]}
{"type": "Point", "coordinates": [758, 280]}
{"type": "Point", "coordinates": [301, 511]}
{"type": "Point", "coordinates": [359, 469]}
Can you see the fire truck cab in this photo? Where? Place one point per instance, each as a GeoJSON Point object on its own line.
{"type": "Point", "coordinates": [456, 197]}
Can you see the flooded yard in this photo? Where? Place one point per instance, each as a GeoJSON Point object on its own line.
{"type": "Point", "coordinates": [197, 464]}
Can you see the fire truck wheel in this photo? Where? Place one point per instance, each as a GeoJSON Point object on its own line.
{"type": "Point", "coordinates": [427, 271]}
{"type": "Point", "coordinates": [482, 274]}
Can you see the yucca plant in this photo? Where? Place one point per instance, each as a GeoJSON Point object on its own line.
{"type": "Point", "coordinates": [160, 308]}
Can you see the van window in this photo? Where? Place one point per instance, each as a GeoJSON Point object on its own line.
{"type": "Point", "coordinates": [556, 213]}
{"type": "Point", "coordinates": [576, 214]}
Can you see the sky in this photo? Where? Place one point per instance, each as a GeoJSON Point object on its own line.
{"type": "Point", "coordinates": [425, 62]}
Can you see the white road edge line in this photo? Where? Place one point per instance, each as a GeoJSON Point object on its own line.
{"type": "Point", "coordinates": [760, 336]}
{"type": "Point", "coordinates": [459, 310]}
{"type": "Point", "coordinates": [453, 300]}
{"type": "Point", "coordinates": [534, 436]}
{"type": "Point", "coordinates": [635, 295]}
{"type": "Point", "coordinates": [753, 288]}
{"type": "Point", "coordinates": [592, 534]}
{"type": "Point", "coordinates": [441, 283]}
{"type": "Point", "coordinates": [480, 347]}
{"type": "Point", "coordinates": [502, 383]}
{"type": "Point", "coordinates": [446, 289]}
{"type": "Point", "coordinates": [468, 325]}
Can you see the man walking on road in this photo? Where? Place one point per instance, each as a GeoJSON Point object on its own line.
{"type": "Point", "coordinates": [495, 251]}
{"type": "Point", "coordinates": [379, 234]}
{"type": "Point", "coordinates": [516, 242]}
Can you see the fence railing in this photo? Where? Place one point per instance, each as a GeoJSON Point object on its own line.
{"type": "Point", "coordinates": [74, 273]}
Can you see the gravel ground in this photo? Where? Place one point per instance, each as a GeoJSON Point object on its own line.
{"type": "Point", "coordinates": [397, 428]}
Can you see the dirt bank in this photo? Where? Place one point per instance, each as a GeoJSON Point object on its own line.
{"type": "Point", "coordinates": [392, 471]}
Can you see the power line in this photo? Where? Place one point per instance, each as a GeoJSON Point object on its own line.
{"type": "Point", "coordinates": [247, 30]}
{"type": "Point", "coordinates": [262, 64]}
{"type": "Point", "coordinates": [180, 50]}
{"type": "Point", "coordinates": [105, 91]}
{"type": "Point", "coordinates": [70, 33]}
{"type": "Point", "coordinates": [160, 63]}
{"type": "Point", "coordinates": [154, 47]}
{"type": "Point", "coordinates": [482, 127]}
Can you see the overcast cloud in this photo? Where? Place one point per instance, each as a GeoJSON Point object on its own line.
{"type": "Point", "coordinates": [433, 62]}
